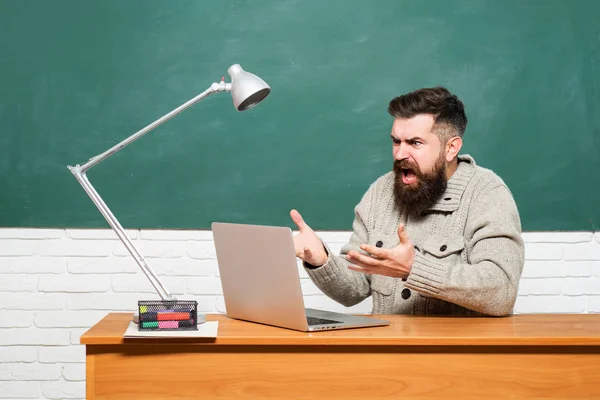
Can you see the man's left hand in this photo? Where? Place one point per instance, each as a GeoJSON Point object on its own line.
{"type": "Point", "coordinates": [395, 262]}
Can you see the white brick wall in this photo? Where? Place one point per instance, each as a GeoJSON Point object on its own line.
{"type": "Point", "coordinates": [55, 284]}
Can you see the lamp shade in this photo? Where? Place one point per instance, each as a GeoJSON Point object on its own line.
{"type": "Point", "coordinates": [247, 90]}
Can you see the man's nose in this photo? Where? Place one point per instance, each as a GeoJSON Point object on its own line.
{"type": "Point", "coordinates": [401, 152]}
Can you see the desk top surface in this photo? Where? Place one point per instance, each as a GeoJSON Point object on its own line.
{"type": "Point", "coordinates": [516, 330]}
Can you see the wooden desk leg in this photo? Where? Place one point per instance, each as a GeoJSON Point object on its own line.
{"type": "Point", "coordinates": [90, 376]}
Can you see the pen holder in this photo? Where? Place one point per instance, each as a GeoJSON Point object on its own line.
{"type": "Point", "coordinates": [168, 315]}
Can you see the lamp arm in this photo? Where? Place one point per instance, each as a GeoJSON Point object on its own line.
{"type": "Point", "coordinates": [214, 88]}
{"type": "Point", "coordinates": [79, 171]}
{"type": "Point", "coordinates": [116, 226]}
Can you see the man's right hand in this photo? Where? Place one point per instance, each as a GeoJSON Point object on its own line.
{"type": "Point", "coordinates": [309, 247]}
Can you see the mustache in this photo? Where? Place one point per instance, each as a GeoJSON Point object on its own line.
{"type": "Point", "coordinates": [399, 165]}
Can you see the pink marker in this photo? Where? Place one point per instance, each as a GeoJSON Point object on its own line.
{"type": "Point", "coordinates": [167, 324]}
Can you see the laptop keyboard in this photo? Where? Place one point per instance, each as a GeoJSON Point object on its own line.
{"type": "Point", "coordinates": [320, 321]}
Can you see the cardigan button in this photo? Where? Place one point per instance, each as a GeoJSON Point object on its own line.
{"type": "Point", "coordinates": [405, 294]}
{"type": "Point", "coordinates": [443, 248]}
{"type": "Point", "coordinates": [379, 243]}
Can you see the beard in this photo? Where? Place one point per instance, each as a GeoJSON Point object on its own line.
{"type": "Point", "coordinates": [423, 194]}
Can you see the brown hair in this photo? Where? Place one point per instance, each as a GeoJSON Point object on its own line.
{"type": "Point", "coordinates": [447, 110]}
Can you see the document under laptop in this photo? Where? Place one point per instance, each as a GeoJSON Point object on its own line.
{"type": "Point", "coordinates": [260, 280]}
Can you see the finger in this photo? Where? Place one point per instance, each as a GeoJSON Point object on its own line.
{"type": "Point", "coordinates": [363, 265]}
{"type": "Point", "coordinates": [357, 258]}
{"type": "Point", "coordinates": [370, 271]}
{"type": "Point", "coordinates": [402, 233]}
{"type": "Point", "coordinates": [297, 218]}
{"type": "Point", "coordinates": [375, 251]}
{"type": "Point", "coordinates": [360, 269]}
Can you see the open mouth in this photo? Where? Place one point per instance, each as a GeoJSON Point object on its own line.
{"type": "Point", "coordinates": [408, 176]}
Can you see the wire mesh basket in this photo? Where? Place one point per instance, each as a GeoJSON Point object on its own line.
{"type": "Point", "coordinates": [168, 315]}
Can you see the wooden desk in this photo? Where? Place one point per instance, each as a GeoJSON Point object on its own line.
{"type": "Point", "coordinates": [520, 357]}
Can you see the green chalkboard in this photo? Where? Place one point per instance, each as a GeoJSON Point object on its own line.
{"type": "Point", "coordinates": [77, 77]}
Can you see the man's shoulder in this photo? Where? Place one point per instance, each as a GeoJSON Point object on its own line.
{"type": "Point", "coordinates": [484, 178]}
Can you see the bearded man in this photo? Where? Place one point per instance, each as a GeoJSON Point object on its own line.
{"type": "Point", "coordinates": [436, 235]}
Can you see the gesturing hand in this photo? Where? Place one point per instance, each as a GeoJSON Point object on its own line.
{"type": "Point", "coordinates": [309, 247]}
{"type": "Point", "coordinates": [395, 262]}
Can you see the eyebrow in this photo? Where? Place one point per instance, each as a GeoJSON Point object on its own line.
{"type": "Point", "coordinates": [409, 140]}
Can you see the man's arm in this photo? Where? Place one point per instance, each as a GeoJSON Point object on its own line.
{"type": "Point", "coordinates": [496, 253]}
{"type": "Point", "coordinates": [334, 278]}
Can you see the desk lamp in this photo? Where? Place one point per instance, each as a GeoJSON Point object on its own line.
{"type": "Point", "coordinates": [246, 89]}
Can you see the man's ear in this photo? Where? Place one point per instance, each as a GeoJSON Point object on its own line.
{"type": "Point", "coordinates": [453, 146]}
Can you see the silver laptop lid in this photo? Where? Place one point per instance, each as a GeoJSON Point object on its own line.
{"type": "Point", "coordinates": [259, 274]}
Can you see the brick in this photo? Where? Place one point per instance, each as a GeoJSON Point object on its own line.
{"type": "Point", "coordinates": [309, 288]}
{"type": "Point", "coordinates": [596, 270]}
{"type": "Point", "coordinates": [543, 251]}
{"type": "Point", "coordinates": [102, 265]}
{"type": "Point", "coordinates": [31, 233]}
{"type": "Point", "coordinates": [333, 237]}
{"type": "Point", "coordinates": [204, 286]}
{"type": "Point", "coordinates": [574, 286]}
{"type": "Point", "coordinates": [74, 283]}
{"type": "Point", "coordinates": [540, 286]}
{"type": "Point", "coordinates": [593, 305]}
{"type": "Point", "coordinates": [582, 269]}
{"type": "Point", "coordinates": [14, 354]}
{"type": "Point", "coordinates": [75, 248]}
{"type": "Point", "coordinates": [76, 335]}
{"type": "Point", "coordinates": [201, 250]}
{"type": "Point", "coordinates": [557, 237]}
{"type": "Point", "coordinates": [139, 283]}
{"type": "Point", "coordinates": [592, 286]}
{"type": "Point", "coordinates": [301, 270]}
{"type": "Point", "coordinates": [550, 304]}
{"type": "Point", "coordinates": [597, 236]}
{"type": "Point", "coordinates": [336, 248]}
{"type": "Point", "coordinates": [67, 319]}
{"type": "Point", "coordinates": [545, 269]}
{"type": "Point", "coordinates": [100, 234]}
{"type": "Point", "coordinates": [18, 283]}
{"type": "Point", "coordinates": [107, 301]}
{"type": "Point", "coordinates": [29, 372]}
{"type": "Point", "coordinates": [19, 390]}
{"type": "Point", "coordinates": [62, 354]}
{"type": "Point", "coordinates": [16, 319]}
{"type": "Point", "coordinates": [183, 266]}
{"type": "Point", "coordinates": [206, 304]}
{"type": "Point", "coordinates": [179, 235]}
{"type": "Point", "coordinates": [74, 372]}
{"type": "Point", "coordinates": [557, 269]}
{"type": "Point", "coordinates": [32, 265]}
{"type": "Point", "coordinates": [31, 301]}
{"type": "Point", "coordinates": [582, 251]}
{"type": "Point", "coordinates": [34, 337]}
{"type": "Point", "coordinates": [152, 249]}
{"type": "Point", "coordinates": [63, 390]}
{"type": "Point", "coordinates": [18, 247]}
{"type": "Point", "coordinates": [220, 305]}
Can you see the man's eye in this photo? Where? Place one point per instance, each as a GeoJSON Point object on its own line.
{"type": "Point", "coordinates": [417, 143]}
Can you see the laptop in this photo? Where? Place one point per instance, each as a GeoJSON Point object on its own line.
{"type": "Point", "coordinates": [261, 283]}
